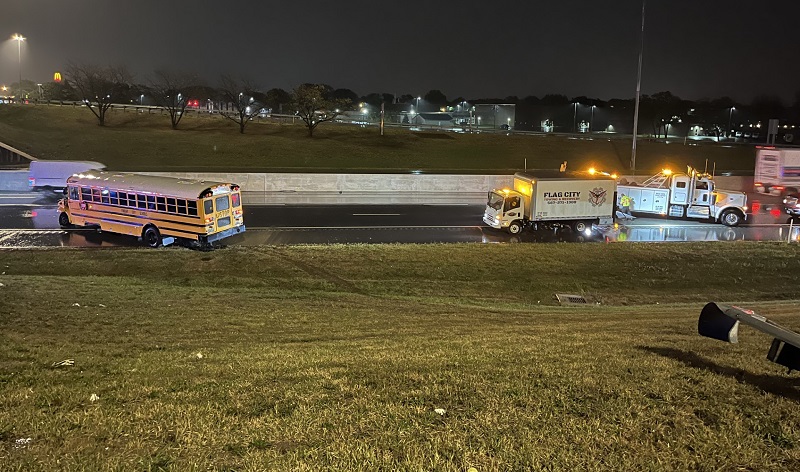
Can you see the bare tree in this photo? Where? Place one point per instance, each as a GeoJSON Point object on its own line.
{"type": "Point", "coordinates": [171, 91]}
{"type": "Point", "coordinates": [313, 103]}
{"type": "Point", "coordinates": [99, 87]}
{"type": "Point", "coordinates": [241, 94]}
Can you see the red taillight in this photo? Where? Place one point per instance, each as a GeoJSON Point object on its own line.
{"type": "Point", "coordinates": [756, 206]}
{"type": "Point", "coordinates": [209, 219]}
{"type": "Point", "coordinates": [778, 187]}
{"type": "Point", "coordinates": [237, 212]}
{"type": "Point", "coordinates": [775, 212]}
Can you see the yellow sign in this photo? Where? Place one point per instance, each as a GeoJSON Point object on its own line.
{"type": "Point", "coordinates": [57, 77]}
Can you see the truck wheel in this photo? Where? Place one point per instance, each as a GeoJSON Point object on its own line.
{"type": "Point", "coordinates": [515, 227]}
{"type": "Point", "coordinates": [151, 236]}
{"type": "Point", "coordinates": [579, 226]}
{"type": "Point", "coordinates": [63, 220]}
{"type": "Point", "coordinates": [730, 218]}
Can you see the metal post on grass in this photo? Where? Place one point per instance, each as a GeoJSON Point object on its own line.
{"type": "Point", "coordinates": [791, 227]}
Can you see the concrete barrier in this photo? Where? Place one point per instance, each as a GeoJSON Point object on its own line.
{"type": "Point", "coordinates": [353, 183]}
{"type": "Point", "coordinates": [357, 184]}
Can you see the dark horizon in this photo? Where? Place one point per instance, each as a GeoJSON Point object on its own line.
{"type": "Point", "coordinates": [461, 48]}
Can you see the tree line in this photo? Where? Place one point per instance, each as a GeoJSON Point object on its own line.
{"type": "Point", "coordinates": [101, 86]}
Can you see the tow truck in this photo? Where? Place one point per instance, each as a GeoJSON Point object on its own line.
{"type": "Point", "coordinates": [690, 195]}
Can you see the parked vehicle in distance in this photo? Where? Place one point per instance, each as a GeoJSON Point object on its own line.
{"type": "Point", "coordinates": [551, 203]}
{"type": "Point", "coordinates": [53, 175]}
{"type": "Point", "coordinates": [777, 170]}
{"type": "Point", "coordinates": [158, 210]}
{"type": "Point", "coordinates": [691, 195]}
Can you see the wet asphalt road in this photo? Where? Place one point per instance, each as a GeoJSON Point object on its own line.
{"type": "Point", "coordinates": [29, 220]}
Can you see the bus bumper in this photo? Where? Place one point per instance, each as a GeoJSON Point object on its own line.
{"type": "Point", "coordinates": [225, 234]}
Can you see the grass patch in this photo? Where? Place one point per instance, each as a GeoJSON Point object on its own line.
{"type": "Point", "coordinates": [142, 142]}
{"type": "Point", "coordinates": [336, 358]}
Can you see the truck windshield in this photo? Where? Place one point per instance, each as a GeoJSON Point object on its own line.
{"type": "Point", "coordinates": [495, 201]}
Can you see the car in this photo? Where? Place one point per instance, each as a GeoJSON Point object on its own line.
{"type": "Point", "coordinates": [791, 204]}
{"type": "Point", "coordinates": [505, 127]}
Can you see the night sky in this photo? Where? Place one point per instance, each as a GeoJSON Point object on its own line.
{"type": "Point", "coordinates": [474, 49]}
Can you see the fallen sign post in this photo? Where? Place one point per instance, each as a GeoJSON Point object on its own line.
{"type": "Point", "coordinates": [722, 322]}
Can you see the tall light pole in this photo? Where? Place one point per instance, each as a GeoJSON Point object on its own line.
{"type": "Point", "coordinates": [591, 120]}
{"type": "Point", "coordinates": [19, 39]}
{"type": "Point", "coordinates": [574, 116]}
{"type": "Point", "coordinates": [636, 106]}
{"type": "Point", "coordinates": [730, 115]}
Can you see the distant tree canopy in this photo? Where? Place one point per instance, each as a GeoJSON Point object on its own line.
{"type": "Point", "coordinates": [315, 104]}
{"type": "Point", "coordinates": [241, 94]}
{"type": "Point", "coordinates": [436, 97]}
{"type": "Point", "coordinates": [172, 91]}
{"type": "Point", "coordinates": [99, 87]}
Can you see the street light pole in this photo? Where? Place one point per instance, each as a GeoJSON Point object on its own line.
{"type": "Point", "coordinates": [19, 39]}
{"type": "Point", "coordinates": [591, 120]}
{"type": "Point", "coordinates": [730, 115]}
{"type": "Point", "coordinates": [638, 90]}
{"type": "Point", "coordinates": [574, 116]}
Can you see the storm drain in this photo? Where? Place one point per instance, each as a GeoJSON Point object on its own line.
{"type": "Point", "coordinates": [569, 299]}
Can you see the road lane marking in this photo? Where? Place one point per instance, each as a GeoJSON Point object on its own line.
{"type": "Point", "coordinates": [377, 214]}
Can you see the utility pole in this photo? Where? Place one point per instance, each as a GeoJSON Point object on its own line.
{"type": "Point", "coordinates": [638, 90]}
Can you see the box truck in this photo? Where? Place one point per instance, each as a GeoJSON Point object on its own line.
{"type": "Point", "coordinates": [53, 175]}
{"type": "Point", "coordinates": [551, 203]}
{"type": "Point", "coordinates": [777, 170]}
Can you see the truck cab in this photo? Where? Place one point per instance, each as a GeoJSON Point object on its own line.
{"type": "Point", "coordinates": [504, 210]}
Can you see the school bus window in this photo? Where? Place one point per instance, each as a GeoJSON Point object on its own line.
{"type": "Point", "coordinates": [74, 193]}
{"type": "Point", "coordinates": [96, 195]}
{"type": "Point", "coordinates": [161, 204]}
{"type": "Point", "coordinates": [223, 203]}
{"type": "Point", "coordinates": [105, 196]}
{"type": "Point", "coordinates": [112, 197]}
{"type": "Point", "coordinates": [86, 193]}
{"type": "Point", "coordinates": [192, 205]}
{"type": "Point", "coordinates": [208, 207]}
{"type": "Point", "coordinates": [171, 205]}
{"type": "Point", "coordinates": [151, 202]}
{"type": "Point", "coordinates": [123, 198]}
{"type": "Point", "coordinates": [182, 207]}
{"type": "Point", "coordinates": [141, 201]}
{"type": "Point", "coordinates": [235, 201]}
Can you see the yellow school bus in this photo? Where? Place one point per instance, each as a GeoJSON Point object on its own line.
{"type": "Point", "coordinates": [158, 210]}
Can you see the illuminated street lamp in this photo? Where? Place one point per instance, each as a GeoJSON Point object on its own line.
{"type": "Point", "coordinates": [591, 119]}
{"type": "Point", "coordinates": [19, 39]}
{"type": "Point", "coordinates": [418, 99]}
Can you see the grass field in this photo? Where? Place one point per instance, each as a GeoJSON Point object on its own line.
{"type": "Point", "coordinates": [338, 357]}
{"type": "Point", "coordinates": [140, 142]}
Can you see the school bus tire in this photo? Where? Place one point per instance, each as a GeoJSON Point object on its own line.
{"type": "Point", "coordinates": [63, 220]}
{"type": "Point", "coordinates": [151, 236]}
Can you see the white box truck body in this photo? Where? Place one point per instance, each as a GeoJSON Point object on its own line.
{"type": "Point", "coordinates": [538, 203]}
{"type": "Point", "coordinates": [53, 175]}
{"type": "Point", "coordinates": [777, 171]}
